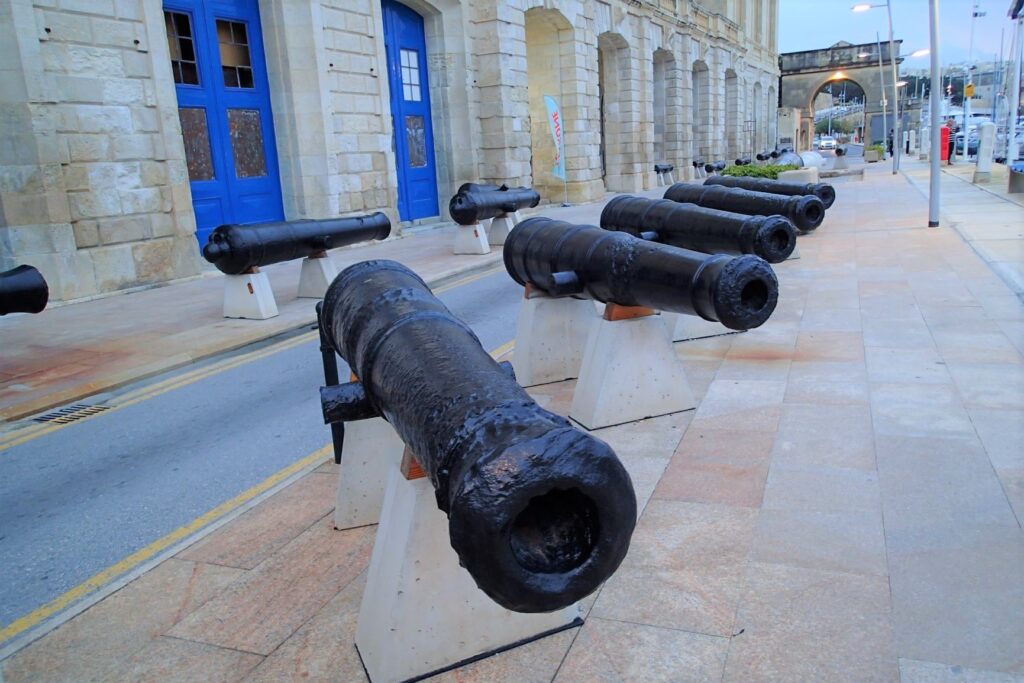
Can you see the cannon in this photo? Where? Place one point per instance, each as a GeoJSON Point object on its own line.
{"type": "Point", "coordinates": [539, 512]}
{"type": "Point", "coordinates": [664, 168]}
{"type": "Point", "coordinates": [236, 249]}
{"type": "Point", "coordinates": [764, 156]}
{"type": "Point", "coordinates": [823, 191]}
{"type": "Point", "coordinates": [788, 158]}
{"type": "Point", "coordinates": [742, 161]}
{"type": "Point", "coordinates": [698, 163]}
{"type": "Point", "coordinates": [586, 261]}
{"type": "Point", "coordinates": [23, 290]}
{"type": "Point", "coordinates": [475, 202]}
{"type": "Point", "coordinates": [805, 211]}
{"type": "Point", "coordinates": [715, 167]}
{"type": "Point", "coordinates": [689, 226]}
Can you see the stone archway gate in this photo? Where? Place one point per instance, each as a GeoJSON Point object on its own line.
{"type": "Point", "coordinates": [804, 73]}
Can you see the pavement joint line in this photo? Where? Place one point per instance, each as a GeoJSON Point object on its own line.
{"type": "Point", "coordinates": [42, 620]}
{"type": "Point", "coordinates": [103, 583]}
{"type": "Point", "coordinates": [20, 436]}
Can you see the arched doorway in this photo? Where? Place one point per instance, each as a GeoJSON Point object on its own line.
{"type": "Point", "coordinates": [837, 110]}
{"type": "Point", "coordinates": [612, 75]}
{"type": "Point", "coordinates": [759, 121]}
{"type": "Point", "coordinates": [700, 110]}
{"type": "Point", "coordinates": [549, 42]}
{"type": "Point", "coordinates": [731, 119]}
{"type": "Point", "coordinates": [406, 49]}
{"type": "Point", "coordinates": [220, 78]}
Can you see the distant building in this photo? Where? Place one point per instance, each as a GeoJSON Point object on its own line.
{"type": "Point", "coordinates": [131, 129]}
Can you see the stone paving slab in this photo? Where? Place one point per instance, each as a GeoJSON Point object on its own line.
{"type": "Point", "coordinates": [844, 504]}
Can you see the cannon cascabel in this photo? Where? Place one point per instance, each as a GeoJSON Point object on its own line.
{"type": "Point", "coordinates": [711, 231]}
{"type": "Point", "coordinates": [235, 249]}
{"type": "Point", "coordinates": [540, 513]}
{"type": "Point", "coordinates": [563, 259]}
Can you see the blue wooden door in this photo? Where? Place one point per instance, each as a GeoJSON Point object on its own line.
{"type": "Point", "coordinates": [220, 77]}
{"type": "Point", "coordinates": [410, 111]}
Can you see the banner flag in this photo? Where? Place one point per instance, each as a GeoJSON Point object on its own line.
{"type": "Point", "coordinates": [555, 121]}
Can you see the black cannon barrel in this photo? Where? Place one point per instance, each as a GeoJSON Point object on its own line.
{"type": "Point", "coordinates": [764, 156]}
{"type": "Point", "coordinates": [480, 187]}
{"type": "Point", "coordinates": [698, 163]}
{"type": "Point", "coordinates": [540, 513]}
{"type": "Point", "coordinates": [235, 249]}
{"type": "Point", "coordinates": [742, 161]}
{"type": "Point", "coordinates": [480, 201]}
{"type": "Point", "coordinates": [563, 259]}
{"type": "Point", "coordinates": [806, 211]}
{"type": "Point", "coordinates": [664, 168]}
{"type": "Point", "coordinates": [823, 191]}
{"type": "Point", "coordinates": [711, 231]}
{"type": "Point", "coordinates": [23, 290]}
{"type": "Point", "coordinates": [717, 166]}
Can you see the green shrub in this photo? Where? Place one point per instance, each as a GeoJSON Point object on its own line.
{"type": "Point", "coordinates": [875, 148]}
{"type": "Point", "coordinates": [771, 172]}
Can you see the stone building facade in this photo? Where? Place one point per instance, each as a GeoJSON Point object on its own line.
{"type": "Point", "coordinates": [95, 184]}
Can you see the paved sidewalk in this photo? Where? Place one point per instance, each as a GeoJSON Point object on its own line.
{"type": "Point", "coordinates": [845, 504]}
{"type": "Point", "coordinates": [990, 219]}
{"type": "Point", "coordinates": [81, 349]}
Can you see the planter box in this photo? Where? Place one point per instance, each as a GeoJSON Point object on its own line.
{"type": "Point", "coordinates": [871, 156]}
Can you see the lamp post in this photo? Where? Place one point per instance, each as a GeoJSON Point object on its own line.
{"type": "Point", "coordinates": [935, 169]}
{"type": "Point", "coordinates": [895, 95]}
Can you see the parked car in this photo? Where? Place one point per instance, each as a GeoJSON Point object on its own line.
{"type": "Point", "coordinates": [827, 142]}
{"type": "Point", "coordinates": [972, 144]}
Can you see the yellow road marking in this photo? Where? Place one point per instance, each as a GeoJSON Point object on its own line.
{"type": "Point", "coordinates": [97, 581]}
{"type": "Point", "coordinates": [20, 436]}
{"type": "Point", "coordinates": [162, 387]}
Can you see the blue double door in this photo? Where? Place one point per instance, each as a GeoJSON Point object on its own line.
{"type": "Point", "coordinates": [220, 76]}
{"type": "Point", "coordinates": [406, 48]}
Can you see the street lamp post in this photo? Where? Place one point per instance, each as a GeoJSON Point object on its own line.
{"type": "Point", "coordinates": [935, 169]}
{"type": "Point", "coordinates": [895, 95]}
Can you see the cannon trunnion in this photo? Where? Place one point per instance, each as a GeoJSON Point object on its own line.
{"type": "Point", "coordinates": [540, 513]}
{"type": "Point", "coordinates": [236, 249]}
{"type": "Point", "coordinates": [563, 259]}
{"type": "Point", "coordinates": [823, 191]}
{"type": "Point", "coordinates": [712, 231]}
{"type": "Point", "coordinates": [23, 290]}
{"type": "Point", "coordinates": [807, 211]}
{"type": "Point", "coordinates": [475, 202]}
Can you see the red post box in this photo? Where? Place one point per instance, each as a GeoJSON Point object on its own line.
{"type": "Point", "coordinates": [944, 133]}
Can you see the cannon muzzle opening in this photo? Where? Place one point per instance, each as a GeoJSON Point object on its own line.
{"type": "Point", "coordinates": [809, 213]}
{"type": "Point", "coordinates": [550, 538]}
{"type": "Point", "coordinates": [775, 239]}
{"type": "Point", "coordinates": [23, 290]}
{"type": "Point", "coordinates": [746, 293]}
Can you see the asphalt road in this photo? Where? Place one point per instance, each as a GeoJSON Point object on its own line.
{"type": "Point", "coordinates": [82, 498]}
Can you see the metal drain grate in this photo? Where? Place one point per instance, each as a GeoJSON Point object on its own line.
{"type": "Point", "coordinates": [70, 413]}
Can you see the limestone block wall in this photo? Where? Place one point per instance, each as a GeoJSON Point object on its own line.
{"type": "Point", "coordinates": [93, 184]}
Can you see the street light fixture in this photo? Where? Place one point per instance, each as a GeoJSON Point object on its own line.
{"type": "Point", "coordinates": [895, 99]}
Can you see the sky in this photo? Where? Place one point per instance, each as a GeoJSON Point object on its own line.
{"type": "Point", "coordinates": [815, 24]}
